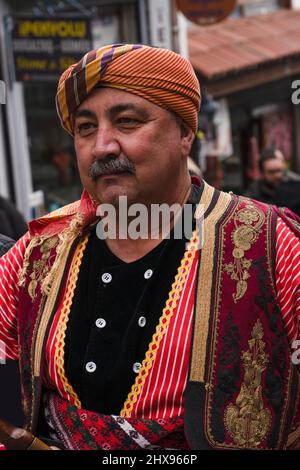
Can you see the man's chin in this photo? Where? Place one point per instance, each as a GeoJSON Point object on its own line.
{"type": "Point", "coordinates": [113, 196]}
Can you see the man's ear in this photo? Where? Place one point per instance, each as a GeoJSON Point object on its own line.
{"type": "Point", "coordinates": [187, 138]}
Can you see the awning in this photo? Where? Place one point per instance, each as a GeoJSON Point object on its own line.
{"type": "Point", "coordinates": [247, 44]}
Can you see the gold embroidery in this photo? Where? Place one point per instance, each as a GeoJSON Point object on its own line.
{"type": "Point", "coordinates": [243, 238]}
{"type": "Point", "coordinates": [63, 320]}
{"type": "Point", "coordinates": [65, 239]}
{"type": "Point", "coordinates": [41, 267]}
{"type": "Point", "coordinates": [163, 324]}
{"type": "Point", "coordinates": [248, 421]}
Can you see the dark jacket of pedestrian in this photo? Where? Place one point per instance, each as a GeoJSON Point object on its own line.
{"type": "Point", "coordinates": [5, 244]}
{"type": "Point", "coordinates": [12, 223]}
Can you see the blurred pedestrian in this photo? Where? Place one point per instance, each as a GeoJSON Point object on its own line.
{"type": "Point", "coordinates": [10, 396]}
{"type": "Point", "coordinates": [12, 223]}
{"type": "Point", "coordinates": [276, 186]}
{"type": "Point", "coordinates": [289, 175]}
{"type": "Point", "coordinates": [5, 244]}
{"type": "Point", "coordinates": [272, 175]}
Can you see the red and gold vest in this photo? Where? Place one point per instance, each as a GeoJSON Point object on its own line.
{"type": "Point", "coordinates": [242, 389]}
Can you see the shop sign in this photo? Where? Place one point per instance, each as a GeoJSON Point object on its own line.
{"type": "Point", "coordinates": [206, 12]}
{"type": "Point", "coordinates": [44, 47]}
{"type": "Point", "coordinates": [160, 19]}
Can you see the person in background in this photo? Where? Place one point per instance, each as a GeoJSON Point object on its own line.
{"type": "Point", "coordinates": [289, 175]}
{"type": "Point", "coordinates": [12, 223]}
{"type": "Point", "coordinates": [272, 175]}
{"type": "Point", "coordinates": [10, 396]}
{"type": "Point", "coordinates": [276, 186]}
{"type": "Point", "coordinates": [5, 244]}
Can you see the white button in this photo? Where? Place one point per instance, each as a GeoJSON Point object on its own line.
{"type": "Point", "coordinates": [142, 321]}
{"type": "Point", "coordinates": [148, 274]}
{"type": "Point", "coordinates": [90, 367]}
{"type": "Point", "coordinates": [106, 278]}
{"type": "Point", "coordinates": [136, 367]}
{"type": "Point", "coordinates": [100, 323]}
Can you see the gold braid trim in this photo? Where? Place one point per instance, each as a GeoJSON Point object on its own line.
{"type": "Point", "coordinates": [63, 320]}
{"type": "Point", "coordinates": [52, 286]}
{"type": "Point", "coordinates": [167, 314]}
{"type": "Point", "coordinates": [205, 284]}
{"type": "Point", "coordinates": [293, 442]}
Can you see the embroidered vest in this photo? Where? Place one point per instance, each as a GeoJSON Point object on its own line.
{"type": "Point", "coordinates": [242, 388]}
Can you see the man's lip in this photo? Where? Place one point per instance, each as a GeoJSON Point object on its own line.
{"type": "Point", "coordinates": [109, 175]}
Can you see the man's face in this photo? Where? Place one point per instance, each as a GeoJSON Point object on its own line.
{"type": "Point", "coordinates": [273, 172]}
{"type": "Point", "coordinates": [127, 146]}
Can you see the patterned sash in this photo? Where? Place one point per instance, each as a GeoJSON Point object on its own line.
{"type": "Point", "coordinates": [79, 429]}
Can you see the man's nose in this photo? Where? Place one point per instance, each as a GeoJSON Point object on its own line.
{"type": "Point", "coordinates": [105, 144]}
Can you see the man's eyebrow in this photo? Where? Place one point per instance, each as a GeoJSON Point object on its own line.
{"type": "Point", "coordinates": [113, 111]}
{"type": "Point", "coordinates": [84, 113]}
{"type": "Point", "coordinates": [119, 108]}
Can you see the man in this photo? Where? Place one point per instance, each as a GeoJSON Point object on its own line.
{"type": "Point", "coordinates": [289, 175]}
{"type": "Point", "coordinates": [169, 342]}
{"type": "Point", "coordinates": [12, 223]}
{"type": "Point", "coordinates": [272, 175]}
{"type": "Point", "coordinates": [5, 244]}
{"type": "Point", "coordinates": [10, 403]}
{"type": "Point", "coordinates": [276, 186]}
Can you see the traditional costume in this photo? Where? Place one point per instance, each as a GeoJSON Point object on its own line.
{"type": "Point", "coordinates": [184, 348]}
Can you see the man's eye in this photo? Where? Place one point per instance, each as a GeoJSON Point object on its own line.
{"type": "Point", "coordinates": [85, 127]}
{"type": "Point", "coordinates": [128, 120]}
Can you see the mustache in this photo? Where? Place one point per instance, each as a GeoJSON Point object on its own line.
{"type": "Point", "coordinates": [110, 166]}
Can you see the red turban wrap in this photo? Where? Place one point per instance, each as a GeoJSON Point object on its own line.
{"type": "Point", "coordinates": [157, 75]}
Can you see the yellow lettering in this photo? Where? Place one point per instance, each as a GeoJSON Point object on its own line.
{"type": "Point", "coordinates": [63, 29]}
{"type": "Point", "coordinates": [31, 64]}
{"type": "Point", "coordinates": [52, 65]}
{"type": "Point", "coordinates": [65, 62]}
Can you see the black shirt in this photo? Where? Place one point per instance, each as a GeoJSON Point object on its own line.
{"type": "Point", "coordinates": [115, 310]}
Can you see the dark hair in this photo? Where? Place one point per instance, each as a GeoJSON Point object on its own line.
{"type": "Point", "coordinates": [267, 154]}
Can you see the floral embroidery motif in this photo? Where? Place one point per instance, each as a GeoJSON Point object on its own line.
{"type": "Point", "coordinates": [41, 267]}
{"type": "Point", "coordinates": [247, 421]}
{"type": "Point", "coordinates": [248, 222]}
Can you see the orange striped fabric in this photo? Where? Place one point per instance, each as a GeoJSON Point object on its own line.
{"type": "Point", "coordinates": [288, 279]}
{"type": "Point", "coordinates": [158, 75]}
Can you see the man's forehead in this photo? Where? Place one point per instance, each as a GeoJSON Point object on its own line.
{"type": "Point", "coordinates": [274, 163]}
{"type": "Point", "coordinates": [114, 101]}
{"type": "Point", "coordinates": [160, 76]}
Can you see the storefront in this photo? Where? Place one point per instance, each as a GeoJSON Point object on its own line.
{"type": "Point", "coordinates": [248, 66]}
{"type": "Point", "coordinates": [37, 160]}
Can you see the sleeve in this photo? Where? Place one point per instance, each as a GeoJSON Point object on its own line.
{"type": "Point", "coordinates": [10, 265]}
{"type": "Point", "coordinates": [15, 219]}
{"type": "Point", "coordinates": [288, 278]}
{"type": "Point", "coordinates": [5, 244]}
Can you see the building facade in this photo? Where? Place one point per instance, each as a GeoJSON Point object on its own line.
{"type": "Point", "coordinates": [37, 161]}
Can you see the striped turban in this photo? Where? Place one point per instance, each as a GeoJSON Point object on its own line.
{"type": "Point", "coordinates": [158, 75]}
